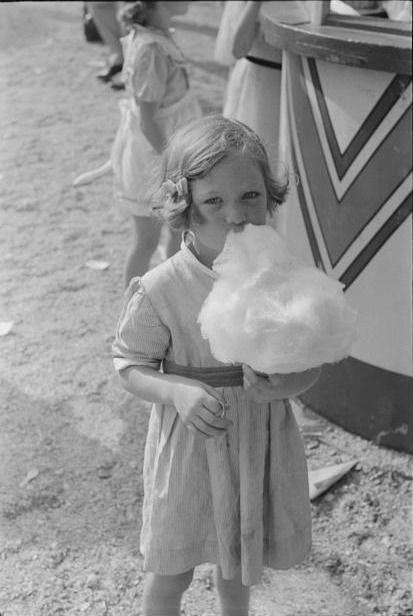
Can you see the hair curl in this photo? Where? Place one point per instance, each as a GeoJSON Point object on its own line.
{"type": "Point", "coordinates": [194, 150]}
{"type": "Point", "coordinates": [133, 13]}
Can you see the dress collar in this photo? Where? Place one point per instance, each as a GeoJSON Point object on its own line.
{"type": "Point", "coordinates": [191, 258]}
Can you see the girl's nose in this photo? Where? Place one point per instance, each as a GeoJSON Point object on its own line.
{"type": "Point", "coordinates": [235, 213]}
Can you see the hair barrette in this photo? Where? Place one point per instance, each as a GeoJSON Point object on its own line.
{"type": "Point", "coordinates": [182, 187]}
{"type": "Point", "coordinates": [172, 189]}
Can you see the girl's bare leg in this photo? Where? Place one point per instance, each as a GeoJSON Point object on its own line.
{"type": "Point", "coordinates": [233, 596]}
{"type": "Point", "coordinates": [146, 234]}
{"type": "Point", "coordinates": [162, 594]}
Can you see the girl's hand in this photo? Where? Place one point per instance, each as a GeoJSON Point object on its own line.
{"type": "Point", "coordinates": [277, 386]}
{"type": "Point", "coordinates": [246, 29]}
{"type": "Point", "coordinates": [201, 408]}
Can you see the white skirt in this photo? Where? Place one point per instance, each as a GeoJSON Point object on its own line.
{"type": "Point", "coordinates": [253, 97]}
{"type": "Point", "coordinates": [134, 160]}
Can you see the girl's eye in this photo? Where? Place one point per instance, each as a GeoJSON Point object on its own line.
{"type": "Point", "coordinates": [214, 201]}
{"type": "Point", "coordinates": [253, 194]}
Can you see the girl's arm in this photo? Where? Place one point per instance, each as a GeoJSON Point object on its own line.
{"type": "Point", "coordinates": [199, 405]}
{"type": "Point", "coordinates": [278, 386]}
{"type": "Point", "coordinates": [150, 128]}
{"type": "Point", "coordinates": [246, 29]}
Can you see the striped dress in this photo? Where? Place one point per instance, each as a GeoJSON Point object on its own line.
{"type": "Point", "coordinates": [239, 500]}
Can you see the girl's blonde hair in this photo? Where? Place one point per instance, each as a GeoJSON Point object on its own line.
{"type": "Point", "coordinates": [136, 13]}
{"type": "Point", "coordinates": [194, 150]}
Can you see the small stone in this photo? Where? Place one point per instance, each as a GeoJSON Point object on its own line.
{"type": "Point", "coordinates": [105, 470]}
{"type": "Point", "coordinates": [93, 581]}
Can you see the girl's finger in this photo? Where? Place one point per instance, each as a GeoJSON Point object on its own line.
{"type": "Point", "coordinates": [193, 430]}
{"type": "Point", "coordinates": [215, 402]}
{"type": "Point", "coordinates": [212, 419]}
{"type": "Point", "coordinates": [215, 394]}
{"type": "Point", "coordinates": [249, 375]}
{"type": "Point", "coordinates": [261, 388]}
{"type": "Point", "coordinates": [252, 381]}
{"type": "Point", "coordinates": [215, 407]}
{"type": "Point", "coordinates": [192, 427]}
{"type": "Point", "coordinates": [205, 429]}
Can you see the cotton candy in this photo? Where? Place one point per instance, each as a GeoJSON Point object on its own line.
{"type": "Point", "coordinates": [271, 312]}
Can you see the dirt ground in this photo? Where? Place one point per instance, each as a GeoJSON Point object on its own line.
{"type": "Point", "coordinates": [71, 440]}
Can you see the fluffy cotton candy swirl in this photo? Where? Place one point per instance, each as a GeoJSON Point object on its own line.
{"type": "Point", "coordinates": [267, 310]}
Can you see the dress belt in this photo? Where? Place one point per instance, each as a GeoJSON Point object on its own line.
{"type": "Point", "coordinates": [267, 63]}
{"type": "Point", "coordinates": [220, 376]}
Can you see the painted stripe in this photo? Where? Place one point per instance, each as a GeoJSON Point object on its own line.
{"type": "Point", "coordinates": [386, 231]}
{"type": "Point", "coordinates": [375, 223]}
{"type": "Point", "coordinates": [342, 184]}
{"type": "Point", "coordinates": [307, 222]}
{"type": "Point", "coordinates": [372, 122]}
{"type": "Point", "coordinates": [317, 244]}
{"type": "Point", "coordinates": [366, 400]}
{"type": "Point", "coordinates": [339, 224]}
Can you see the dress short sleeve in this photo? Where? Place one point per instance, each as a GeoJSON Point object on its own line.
{"type": "Point", "coordinates": [150, 73]}
{"type": "Point", "coordinates": [141, 338]}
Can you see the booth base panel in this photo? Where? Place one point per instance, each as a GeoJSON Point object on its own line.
{"type": "Point", "coordinates": [365, 400]}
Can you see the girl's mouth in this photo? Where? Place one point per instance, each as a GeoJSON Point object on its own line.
{"type": "Point", "coordinates": [239, 227]}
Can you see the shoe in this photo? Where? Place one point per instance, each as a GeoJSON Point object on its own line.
{"type": "Point", "coordinates": [107, 74]}
{"type": "Point", "coordinates": [117, 85]}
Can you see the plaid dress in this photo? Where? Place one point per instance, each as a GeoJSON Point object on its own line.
{"type": "Point", "coordinates": [239, 500]}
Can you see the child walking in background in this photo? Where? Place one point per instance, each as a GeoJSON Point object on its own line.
{"type": "Point", "coordinates": [160, 101]}
{"type": "Point", "coordinates": [225, 474]}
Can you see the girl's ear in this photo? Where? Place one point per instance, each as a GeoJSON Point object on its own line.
{"type": "Point", "coordinates": [190, 235]}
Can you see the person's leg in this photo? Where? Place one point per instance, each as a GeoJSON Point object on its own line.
{"type": "Point", "coordinates": [146, 234]}
{"type": "Point", "coordinates": [162, 594]}
{"type": "Point", "coordinates": [104, 15]}
{"type": "Point", "coordinates": [233, 595]}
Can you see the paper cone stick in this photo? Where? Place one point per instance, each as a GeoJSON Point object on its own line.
{"type": "Point", "coordinates": [6, 327]}
{"type": "Point", "coordinates": [323, 478]}
{"type": "Point", "coordinates": [90, 176]}
{"type": "Point", "coordinates": [97, 265]}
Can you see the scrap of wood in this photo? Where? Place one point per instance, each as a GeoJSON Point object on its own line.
{"type": "Point", "coordinates": [97, 265]}
{"type": "Point", "coordinates": [321, 479]}
{"type": "Point", "coordinates": [6, 327]}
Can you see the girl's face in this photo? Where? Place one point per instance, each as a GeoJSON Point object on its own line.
{"type": "Point", "coordinates": [230, 196]}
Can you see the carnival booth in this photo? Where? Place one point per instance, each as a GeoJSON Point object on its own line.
{"type": "Point", "coordinates": [346, 133]}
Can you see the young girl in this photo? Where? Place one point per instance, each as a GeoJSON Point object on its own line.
{"type": "Point", "coordinates": [156, 79]}
{"type": "Point", "coordinates": [225, 475]}
{"type": "Point", "coordinates": [160, 101]}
